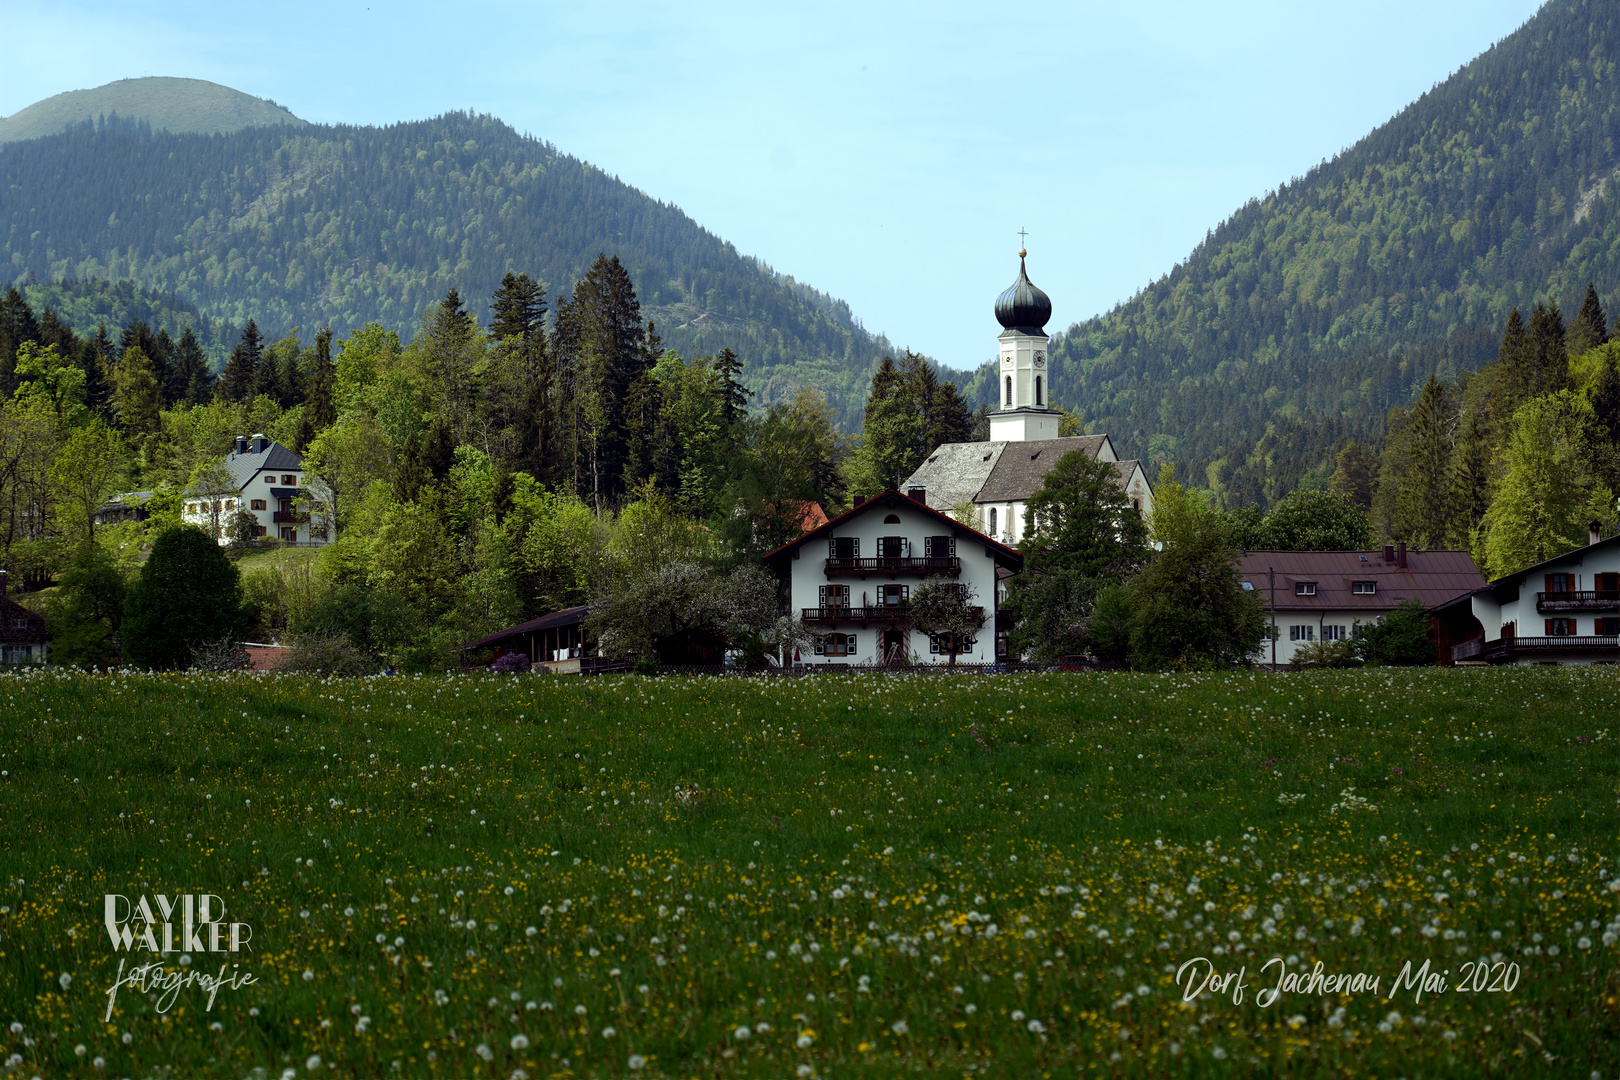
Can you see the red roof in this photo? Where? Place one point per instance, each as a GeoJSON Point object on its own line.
{"type": "Point", "coordinates": [888, 500]}
{"type": "Point", "coordinates": [1432, 576]}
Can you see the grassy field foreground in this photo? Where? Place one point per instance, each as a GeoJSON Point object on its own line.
{"type": "Point", "coordinates": [829, 876]}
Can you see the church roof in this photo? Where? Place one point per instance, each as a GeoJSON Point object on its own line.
{"type": "Point", "coordinates": [1023, 307]}
{"type": "Point", "coordinates": [1021, 468]}
{"type": "Point", "coordinates": [954, 472]}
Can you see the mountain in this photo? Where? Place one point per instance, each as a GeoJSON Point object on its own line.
{"type": "Point", "coordinates": [301, 227]}
{"type": "Point", "coordinates": [162, 104]}
{"type": "Point", "coordinates": [1302, 318]}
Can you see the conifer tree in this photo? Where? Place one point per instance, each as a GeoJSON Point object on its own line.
{"type": "Point", "coordinates": [603, 346]}
{"type": "Point", "coordinates": [522, 391]}
{"type": "Point", "coordinates": [1471, 482]}
{"type": "Point", "coordinates": [96, 361]}
{"type": "Point", "coordinates": [1356, 475]}
{"type": "Point", "coordinates": [321, 382]}
{"type": "Point", "coordinates": [242, 369]}
{"type": "Point", "coordinates": [1549, 360]}
{"type": "Point", "coordinates": [1423, 500]}
{"type": "Point", "coordinates": [1512, 379]}
{"type": "Point", "coordinates": [1392, 466]}
{"type": "Point", "coordinates": [452, 356]}
{"type": "Point", "coordinates": [191, 370]}
{"type": "Point", "coordinates": [1590, 328]}
{"type": "Point", "coordinates": [137, 397]}
{"type": "Point", "coordinates": [734, 396]}
{"type": "Point", "coordinates": [158, 348]}
{"type": "Point", "coordinates": [17, 325]}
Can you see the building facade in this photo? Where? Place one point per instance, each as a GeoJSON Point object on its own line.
{"type": "Point", "coordinates": [22, 632]}
{"type": "Point", "coordinates": [1314, 596]}
{"type": "Point", "coordinates": [264, 491]}
{"type": "Point", "coordinates": [850, 581]}
{"type": "Point", "coordinates": [1562, 611]}
{"type": "Point", "coordinates": [999, 476]}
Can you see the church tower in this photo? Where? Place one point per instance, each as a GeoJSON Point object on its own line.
{"type": "Point", "coordinates": [1026, 412]}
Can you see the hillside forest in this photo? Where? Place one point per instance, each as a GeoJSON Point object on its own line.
{"type": "Point", "coordinates": [487, 471]}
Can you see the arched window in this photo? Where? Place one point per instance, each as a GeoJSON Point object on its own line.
{"type": "Point", "coordinates": [1009, 391]}
{"type": "Point", "coordinates": [992, 521]}
{"type": "Point", "coordinates": [892, 519]}
{"type": "Point", "coordinates": [1037, 390]}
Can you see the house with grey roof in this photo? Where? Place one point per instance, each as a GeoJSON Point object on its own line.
{"type": "Point", "coordinates": [999, 476]}
{"type": "Point", "coordinates": [264, 489]}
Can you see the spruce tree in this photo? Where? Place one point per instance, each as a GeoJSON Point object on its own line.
{"type": "Point", "coordinates": [1548, 359]}
{"type": "Point", "coordinates": [96, 361]}
{"type": "Point", "coordinates": [242, 369]}
{"type": "Point", "coordinates": [1472, 480]}
{"type": "Point", "coordinates": [17, 325]}
{"type": "Point", "coordinates": [1356, 475]}
{"type": "Point", "coordinates": [1423, 500]}
{"type": "Point", "coordinates": [522, 391]}
{"type": "Point", "coordinates": [603, 346]}
{"type": "Point", "coordinates": [1511, 371]}
{"type": "Point", "coordinates": [733, 395]}
{"type": "Point", "coordinates": [321, 381]}
{"type": "Point", "coordinates": [191, 370]}
{"type": "Point", "coordinates": [1590, 328]}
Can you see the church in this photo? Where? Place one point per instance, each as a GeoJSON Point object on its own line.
{"type": "Point", "coordinates": [999, 476]}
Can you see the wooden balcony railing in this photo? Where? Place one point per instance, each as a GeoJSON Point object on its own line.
{"type": "Point", "coordinates": [1503, 649]}
{"type": "Point", "coordinates": [950, 566]}
{"type": "Point", "coordinates": [833, 616]}
{"type": "Point", "coordinates": [1589, 600]}
{"type": "Point", "coordinates": [290, 517]}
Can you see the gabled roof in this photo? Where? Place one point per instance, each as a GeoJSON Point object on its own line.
{"type": "Point", "coordinates": [1503, 587]}
{"type": "Point", "coordinates": [1434, 577]}
{"type": "Point", "coordinates": [892, 500]}
{"type": "Point", "coordinates": [243, 467]}
{"type": "Point", "coordinates": [954, 473]}
{"type": "Point", "coordinates": [14, 635]}
{"type": "Point", "coordinates": [1021, 468]}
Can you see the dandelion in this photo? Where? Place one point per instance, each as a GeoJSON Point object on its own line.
{"type": "Point", "coordinates": [309, 976]}
{"type": "Point", "coordinates": [1036, 1027]}
{"type": "Point", "coordinates": [484, 1052]}
{"type": "Point", "coordinates": [312, 1063]}
{"type": "Point", "coordinates": [899, 1027]}
{"type": "Point", "coordinates": [80, 1050]}
{"type": "Point", "coordinates": [637, 1063]}
{"type": "Point", "coordinates": [742, 1032]}
{"type": "Point", "coordinates": [65, 980]}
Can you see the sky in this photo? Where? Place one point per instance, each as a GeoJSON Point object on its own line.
{"type": "Point", "coordinates": [885, 153]}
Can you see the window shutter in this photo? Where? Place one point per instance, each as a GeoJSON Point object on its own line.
{"type": "Point", "coordinates": [821, 593]}
{"type": "Point", "coordinates": [928, 547]}
{"type": "Point", "coordinates": [821, 649]}
{"type": "Point", "coordinates": [844, 594]}
{"type": "Point", "coordinates": [832, 547]}
{"type": "Point", "coordinates": [856, 546]}
{"type": "Point", "coordinates": [849, 644]}
{"type": "Point", "coordinates": [950, 542]}
{"type": "Point", "coordinates": [1549, 630]}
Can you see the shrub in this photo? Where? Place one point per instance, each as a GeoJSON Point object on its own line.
{"type": "Point", "coordinates": [510, 663]}
{"type": "Point", "coordinates": [325, 654]}
{"type": "Point", "coordinates": [188, 593]}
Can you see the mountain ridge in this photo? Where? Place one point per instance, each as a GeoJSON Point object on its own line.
{"type": "Point", "coordinates": [163, 103]}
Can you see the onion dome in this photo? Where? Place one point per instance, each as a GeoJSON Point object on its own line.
{"type": "Point", "coordinates": [1023, 306]}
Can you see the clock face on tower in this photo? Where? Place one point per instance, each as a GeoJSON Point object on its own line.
{"type": "Point", "coordinates": [1040, 359]}
{"type": "Point", "coordinates": [1007, 359]}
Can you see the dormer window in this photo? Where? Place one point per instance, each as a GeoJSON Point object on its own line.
{"type": "Point", "coordinates": [1365, 588]}
{"type": "Point", "coordinates": [1304, 588]}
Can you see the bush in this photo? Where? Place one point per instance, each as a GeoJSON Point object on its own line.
{"type": "Point", "coordinates": [1326, 654]}
{"type": "Point", "coordinates": [188, 594]}
{"type": "Point", "coordinates": [325, 654]}
{"type": "Point", "coordinates": [1400, 639]}
{"type": "Point", "coordinates": [510, 663]}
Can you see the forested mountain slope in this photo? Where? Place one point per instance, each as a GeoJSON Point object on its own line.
{"type": "Point", "coordinates": [347, 225]}
{"type": "Point", "coordinates": [162, 104]}
{"type": "Point", "coordinates": [1300, 320]}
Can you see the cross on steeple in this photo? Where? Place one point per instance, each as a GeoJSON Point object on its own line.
{"type": "Point", "coordinates": [1021, 235]}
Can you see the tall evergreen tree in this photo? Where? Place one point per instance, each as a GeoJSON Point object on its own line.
{"type": "Point", "coordinates": [137, 395]}
{"type": "Point", "coordinates": [1472, 481]}
{"type": "Point", "coordinates": [96, 361]}
{"type": "Point", "coordinates": [1423, 501]}
{"type": "Point", "coordinates": [1549, 360]}
{"type": "Point", "coordinates": [603, 345]}
{"type": "Point", "coordinates": [734, 396]}
{"type": "Point", "coordinates": [53, 331]}
{"type": "Point", "coordinates": [17, 325]}
{"type": "Point", "coordinates": [1590, 328]}
{"type": "Point", "coordinates": [1356, 475]}
{"type": "Point", "coordinates": [242, 369]}
{"type": "Point", "coordinates": [522, 392]}
{"type": "Point", "coordinates": [321, 383]}
{"type": "Point", "coordinates": [191, 370]}
{"type": "Point", "coordinates": [451, 360]}
{"type": "Point", "coordinates": [1511, 371]}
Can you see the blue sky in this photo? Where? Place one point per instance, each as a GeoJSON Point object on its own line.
{"type": "Point", "coordinates": [884, 153]}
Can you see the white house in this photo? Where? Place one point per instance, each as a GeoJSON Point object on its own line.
{"type": "Point", "coordinates": [1316, 596]}
{"type": "Point", "coordinates": [999, 476]}
{"type": "Point", "coordinates": [1562, 611]}
{"type": "Point", "coordinates": [268, 481]}
{"type": "Point", "coordinates": [850, 581]}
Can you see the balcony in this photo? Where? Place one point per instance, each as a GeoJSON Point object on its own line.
{"type": "Point", "coordinates": [862, 616]}
{"type": "Point", "coordinates": [1590, 600]}
{"type": "Point", "coordinates": [950, 566]}
{"type": "Point", "coordinates": [1507, 650]}
{"type": "Point", "coordinates": [290, 517]}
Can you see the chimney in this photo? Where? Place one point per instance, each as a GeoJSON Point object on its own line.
{"type": "Point", "coordinates": [259, 442]}
{"type": "Point", "coordinates": [1389, 552]}
{"type": "Point", "coordinates": [241, 444]}
{"type": "Point", "coordinates": [1592, 533]}
{"type": "Point", "coordinates": [918, 494]}
{"type": "Point", "coordinates": [1400, 556]}
{"type": "Point", "coordinates": [860, 500]}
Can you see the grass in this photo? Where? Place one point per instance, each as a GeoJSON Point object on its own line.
{"type": "Point", "coordinates": [834, 876]}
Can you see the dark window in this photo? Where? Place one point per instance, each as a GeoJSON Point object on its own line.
{"type": "Point", "coordinates": [1365, 588]}
{"type": "Point", "coordinates": [258, 504]}
{"type": "Point", "coordinates": [1305, 588]}
{"type": "Point", "coordinates": [1608, 627]}
{"type": "Point", "coordinates": [1560, 627]}
{"type": "Point", "coordinates": [892, 519]}
{"type": "Point", "coordinates": [1560, 583]}
{"type": "Point", "coordinates": [833, 596]}
{"type": "Point", "coordinates": [940, 644]}
{"type": "Point", "coordinates": [1302, 633]}
{"type": "Point", "coordinates": [1037, 389]}
{"type": "Point", "coordinates": [289, 480]}
{"type": "Point", "coordinates": [894, 595]}
{"type": "Point", "coordinates": [1334, 633]}
{"type": "Point", "coordinates": [845, 547]}
{"type": "Point", "coordinates": [939, 547]}
{"type": "Point", "coordinates": [836, 645]}
{"type": "Point", "coordinates": [269, 479]}
{"type": "Point", "coordinates": [891, 547]}
{"type": "Point", "coordinates": [1606, 582]}
{"type": "Point", "coordinates": [992, 521]}
{"type": "Point", "coordinates": [1009, 390]}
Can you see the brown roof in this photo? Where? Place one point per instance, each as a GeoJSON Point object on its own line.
{"type": "Point", "coordinates": [570, 616]}
{"type": "Point", "coordinates": [1022, 467]}
{"type": "Point", "coordinates": [1432, 576]}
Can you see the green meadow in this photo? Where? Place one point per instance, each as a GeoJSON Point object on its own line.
{"type": "Point", "coordinates": [476, 876]}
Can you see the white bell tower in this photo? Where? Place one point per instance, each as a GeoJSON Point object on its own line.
{"type": "Point", "coordinates": [1024, 377]}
